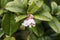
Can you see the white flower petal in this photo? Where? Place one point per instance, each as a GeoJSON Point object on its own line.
{"type": "Point", "coordinates": [28, 22]}
{"type": "Point", "coordinates": [24, 24]}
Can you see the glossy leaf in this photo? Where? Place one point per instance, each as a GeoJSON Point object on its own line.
{"type": "Point", "coordinates": [9, 24]}
{"type": "Point", "coordinates": [45, 16]}
{"type": "Point", "coordinates": [21, 2]}
{"type": "Point", "coordinates": [54, 5]}
{"type": "Point", "coordinates": [55, 25]}
{"type": "Point", "coordinates": [45, 8]}
{"type": "Point", "coordinates": [17, 6]}
{"type": "Point", "coordinates": [20, 17]}
{"type": "Point", "coordinates": [34, 5]}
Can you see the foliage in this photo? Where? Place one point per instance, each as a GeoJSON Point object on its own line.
{"type": "Point", "coordinates": [46, 15]}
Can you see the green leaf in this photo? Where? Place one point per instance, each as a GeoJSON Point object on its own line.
{"type": "Point", "coordinates": [21, 2]}
{"type": "Point", "coordinates": [1, 11]}
{"type": "Point", "coordinates": [9, 38]}
{"type": "Point", "coordinates": [55, 25]}
{"type": "Point", "coordinates": [34, 29]}
{"type": "Point", "coordinates": [34, 5]}
{"type": "Point", "coordinates": [58, 13]}
{"type": "Point", "coordinates": [3, 3]}
{"type": "Point", "coordinates": [17, 6]}
{"type": "Point", "coordinates": [45, 8]}
{"type": "Point", "coordinates": [44, 16]}
{"type": "Point", "coordinates": [9, 24]}
{"type": "Point", "coordinates": [54, 5]}
{"type": "Point", "coordinates": [37, 21]}
{"type": "Point", "coordinates": [1, 32]}
{"type": "Point", "coordinates": [58, 8]}
{"type": "Point", "coordinates": [20, 17]}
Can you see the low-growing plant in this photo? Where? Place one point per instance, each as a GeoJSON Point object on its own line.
{"type": "Point", "coordinates": [46, 17]}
